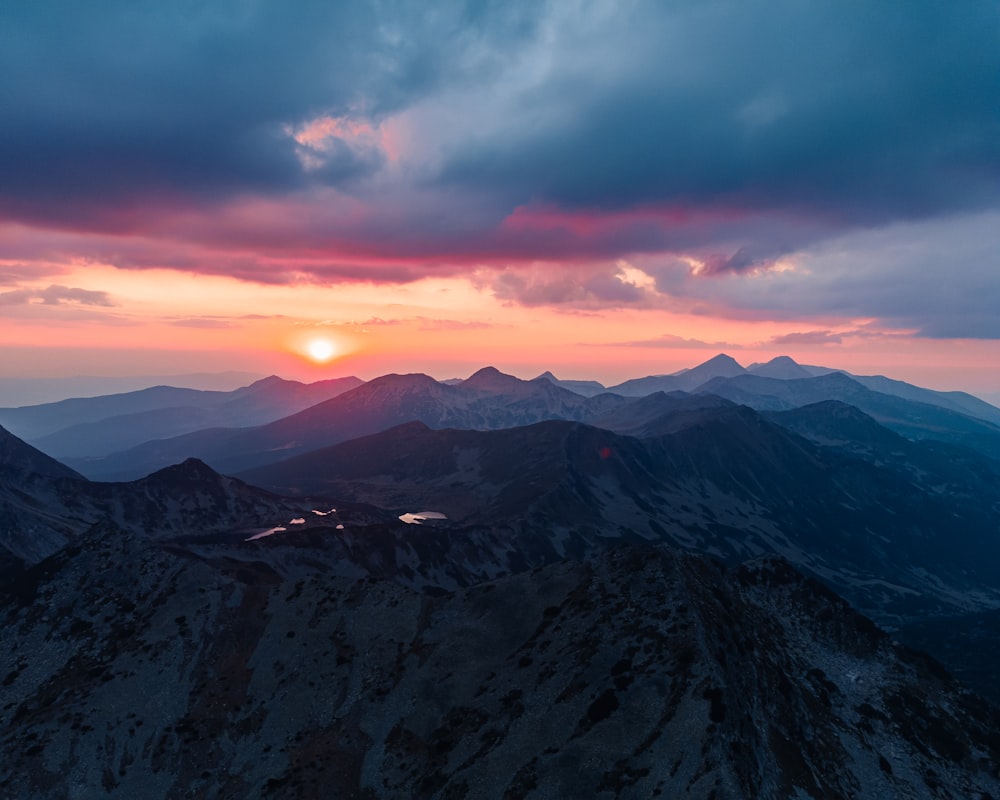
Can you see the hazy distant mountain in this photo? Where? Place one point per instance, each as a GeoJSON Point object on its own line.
{"type": "Point", "coordinates": [35, 391]}
{"type": "Point", "coordinates": [261, 402]}
{"type": "Point", "coordinates": [586, 388]}
{"type": "Point", "coordinates": [781, 367]}
{"type": "Point", "coordinates": [687, 380]}
{"type": "Point", "coordinates": [956, 401]}
{"type": "Point", "coordinates": [487, 399]}
{"type": "Point", "coordinates": [784, 368]}
{"type": "Point", "coordinates": [917, 420]}
{"type": "Point", "coordinates": [33, 422]}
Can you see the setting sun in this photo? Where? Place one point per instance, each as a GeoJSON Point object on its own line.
{"type": "Point", "coordinates": [321, 350]}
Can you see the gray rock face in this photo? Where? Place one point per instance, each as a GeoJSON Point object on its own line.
{"type": "Point", "coordinates": [135, 669]}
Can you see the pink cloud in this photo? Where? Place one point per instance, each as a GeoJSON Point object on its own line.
{"type": "Point", "coordinates": [55, 295]}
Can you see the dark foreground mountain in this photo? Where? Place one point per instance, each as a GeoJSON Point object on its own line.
{"type": "Point", "coordinates": [904, 538]}
{"type": "Point", "coordinates": [139, 669]}
{"type": "Point", "coordinates": [30, 528]}
{"type": "Point", "coordinates": [44, 505]}
{"type": "Point", "coordinates": [199, 640]}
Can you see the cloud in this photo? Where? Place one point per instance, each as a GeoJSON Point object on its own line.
{"type": "Point", "coordinates": [808, 338]}
{"type": "Point", "coordinates": [187, 107]}
{"type": "Point", "coordinates": [740, 262]}
{"type": "Point", "coordinates": [427, 324]}
{"type": "Point", "coordinates": [586, 287]}
{"type": "Point", "coordinates": [202, 322]}
{"type": "Point", "coordinates": [55, 295]}
{"type": "Point", "coordinates": [936, 278]}
{"type": "Point", "coordinates": [708, 144]}
{"type": "Point", "coordinates": [726, 104]}
{"type": "Point", "coordinates": [673, 342]}
{"type": "Point", "coordinates": [14, 273]}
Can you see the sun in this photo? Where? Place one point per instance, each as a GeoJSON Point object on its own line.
{"type": "Point", "coordinates": [321, 350]}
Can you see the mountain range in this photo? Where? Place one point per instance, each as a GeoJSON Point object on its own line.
{"type": "Point", "coordinates": [491, 400]}
{"type": "Point", "coordinates": [487, 399]}
{"type": "Point", "coordinates": [94, 426]}
{"type": "Point", "coordinates": [506, 588]}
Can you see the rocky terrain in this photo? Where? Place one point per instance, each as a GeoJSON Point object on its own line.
{"type": "Point", "coordinates": [519, 591]}
{"type": "Point", "coordinates": [45, 506]}
{"type": "Point", "coordinates": [132, 668]}
{"type": "Point", "coordinates": [722, 480]}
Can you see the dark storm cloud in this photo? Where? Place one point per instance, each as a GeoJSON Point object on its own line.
{"type": "Point", "coordinates": [387, 140]}
{"type": "Point", "coordinates": [859, 110]}
{"type": "Point", "coordinates": [189, 102]}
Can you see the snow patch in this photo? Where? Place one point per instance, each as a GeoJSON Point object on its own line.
{"type": "Point", "coordinates": [420, 516]}
{"type": "Point", "coordinates": [268, 532]}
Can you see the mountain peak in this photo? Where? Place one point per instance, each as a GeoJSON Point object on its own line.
{"type": "Point", "coordinates": [721, 360]}
{"type": "Point", "coordinates": [395, 379]}
{"type": "Point", "coordinates": [781, 367]}
{"type": "Point", "coordinates": [548, 376]}
{"type": "Point", "coordinates": [270, 380]}
{"type": "Point", "coordinates": [490, 378]}
{"type": "Point", "coordinates": [191, 469]}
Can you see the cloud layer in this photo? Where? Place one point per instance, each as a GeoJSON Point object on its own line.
{"type": "Point", "coordinates": [746, 159]}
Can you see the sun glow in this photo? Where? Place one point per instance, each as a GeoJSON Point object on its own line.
{"type": "Point", "coordinates": [321, 350]}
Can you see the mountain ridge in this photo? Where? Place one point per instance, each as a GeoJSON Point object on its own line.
{"type": "Point", "coordinates": [644, 672]}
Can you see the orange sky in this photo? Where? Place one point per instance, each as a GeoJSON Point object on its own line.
{"type": "Point", "coordinates": [164, 321]}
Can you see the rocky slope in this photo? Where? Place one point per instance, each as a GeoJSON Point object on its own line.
{"type": "Point", "coordinates": [45, 505]}
{"type": "Point", "coordinates": [899, 540]}
{"type": "Point", "coordinates": [138, 669]}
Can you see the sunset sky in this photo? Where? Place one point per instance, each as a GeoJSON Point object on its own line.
{"type": "Point", "coordinates": [604, 189]}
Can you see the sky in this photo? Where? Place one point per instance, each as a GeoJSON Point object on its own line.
{"type": "Point", "coordinates": [603, 189]}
